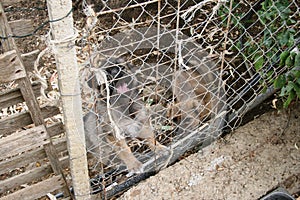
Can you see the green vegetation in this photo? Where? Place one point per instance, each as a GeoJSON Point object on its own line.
{"type": "Point", "coordinates": [273, 45]}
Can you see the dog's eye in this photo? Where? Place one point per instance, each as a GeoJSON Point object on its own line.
{"type": "Point", "coordinates": [115, 71]}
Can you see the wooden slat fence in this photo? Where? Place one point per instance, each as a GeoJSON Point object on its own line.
{"type": "Point", "coordinates": [33, 155]}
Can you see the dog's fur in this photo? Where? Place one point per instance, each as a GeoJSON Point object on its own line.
{"type": "Point", "coordinates": [129, 114]}
{"type": "Point", "coordinates": [132, 117]}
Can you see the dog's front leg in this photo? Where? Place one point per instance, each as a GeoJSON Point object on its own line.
{"type": "Point", "coordinates": [126, 155]}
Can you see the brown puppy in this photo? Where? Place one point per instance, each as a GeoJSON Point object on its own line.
{"type": "Point", "coordinates": [129, 115]}
{"type": "Point", "coordinates": [193, 105]}
{"type": "Point", "coordinates": [193, 100]}
{"type": "Point", "coordinates": [191, 90]}
{"type": "Point", "coordinates": [102, 144]}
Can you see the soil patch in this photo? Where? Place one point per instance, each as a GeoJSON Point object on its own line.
{"type": "Point", "coordinates": [246, 164]}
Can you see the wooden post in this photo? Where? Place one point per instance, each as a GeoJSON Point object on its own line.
{"type": "Point", "coordinates": [63, 36]}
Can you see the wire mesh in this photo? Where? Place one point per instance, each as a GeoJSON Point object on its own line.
{"type": "Point", "coordinates": [164, 77]}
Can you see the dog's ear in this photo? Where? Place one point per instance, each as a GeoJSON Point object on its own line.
{"type": "Point", "coordinates": [97, 87]}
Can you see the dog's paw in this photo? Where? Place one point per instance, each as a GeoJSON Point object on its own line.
{"type": "Point", "coordinates": [162, 150]}
{"type": "Point", "coordinates": [135, 167]}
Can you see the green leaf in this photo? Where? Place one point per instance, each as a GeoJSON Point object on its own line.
{"type": "Point", "coordinates": [264, 90]}
{"type": "Point", "coordinates": [297, 60]}
{"type": "Point", "coordinates": [291, 21]}
{"type": "Point", "coordinates": [259, 63]}
{"type": "Point", "coordinates": [268, 41]}
{"type": "Point", "coordinates": [149, 101]}
{"type": "Point", "coordinates": [293, 55]}
{"type": "Point", "coordinates": [290, 86]}
{"type": "Point", "coordinates": [283, 57]}
{"type": "Point", "coordinates": [269, 75]}
{"type": "Point", "coordinates": [293, 86]}
{"type": "Point", "coordinates": [289, 61]}
{"type": "Point", "coordinates": [266, 4]}
{"type": "Point", "coordinates": [279, 81]}
{"type": "Point", "coordinates": [290, 77]}
{"type": "Point", "coordinates": [281, 40]}
{"type": "Point", "coordinates": [297, 89]}
{"type": "Point", "coordinates": [290, 98]}
{"type": "Point", "coordinates": [291, 40]}
{"type": "Point", "coordinates": [284, 39]}
{"type": "Point", "coordinates": [166, 128]}
{"type": "Point", "coordinates": [296, 73]}
{"type": "Point", "coordinates": [283, 92]}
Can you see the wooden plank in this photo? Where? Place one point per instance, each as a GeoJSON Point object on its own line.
{"type": "Point", "coordinates": [29, 176]}
{"type": "Point", "coordinates": [20, 142]}
{"type": "Point", "coordinates": [11, 67]}
{"type": "Point", "coordinates": [21, 27]}
{"type": "Point", "coordinates": [37, 190]}
{"type": "Point", "coordinates": [14, 96]}
{"type": "Point", "coordinates": [31, 101]}
{"type": "Point", "coordinates": [55, 129]}
{"type": "Point", "coordinates": [22, 160]}
{"type": "Point", "coordinates": [29, 157]}
{"type": "Point", "coordinates": [25, 178]}
{"type": "Point", "coordinates": [61, 147]}
{"type": "Point", "coordinates": [7, 44]}
{"type": "Point", "coordinates": [14, 122]}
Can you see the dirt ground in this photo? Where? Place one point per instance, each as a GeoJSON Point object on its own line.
{"type": "Point", "coordinates": [246, 164]}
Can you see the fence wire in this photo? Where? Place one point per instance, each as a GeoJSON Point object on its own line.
{"type": "Point", "coordinates": [162, 78]}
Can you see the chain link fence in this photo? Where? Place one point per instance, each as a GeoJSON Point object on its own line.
{"type": "Point", "coordinates": [163, 78]}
